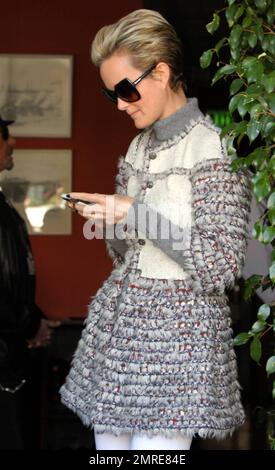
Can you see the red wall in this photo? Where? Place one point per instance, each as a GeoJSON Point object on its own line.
{"type": "Point", "coordinates": [69, 268]}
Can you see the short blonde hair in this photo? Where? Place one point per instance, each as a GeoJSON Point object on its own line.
{"type": "Point", "coordinates": [147, 37]}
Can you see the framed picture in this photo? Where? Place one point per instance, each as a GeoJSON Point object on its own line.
{"type": "Point", "coordinates": [36, 91]}
{"type": "Point", "coordinates": [34, 186]}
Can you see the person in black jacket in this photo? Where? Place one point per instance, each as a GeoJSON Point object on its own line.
{"type": "Point", "coordinates": [22, 325]}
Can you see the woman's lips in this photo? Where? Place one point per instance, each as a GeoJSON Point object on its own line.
{"type": "Point", "coordinates": [133, 114]}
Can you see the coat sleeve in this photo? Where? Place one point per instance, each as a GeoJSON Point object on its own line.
{"type": "Point", "coordinates": [221, 208]}
{"type": "Point", "coordinates": [17, 319]}
{"type": "Point", "coordinates": [117, 247]}
{"type": "Point", "coordinates": [213, 249]}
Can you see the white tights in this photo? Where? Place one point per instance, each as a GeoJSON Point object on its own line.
{"type": "Point", "coordinates": [133, 442]}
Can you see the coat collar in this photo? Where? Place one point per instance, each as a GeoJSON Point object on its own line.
{"type": "Point", "coordinates": [176, 123]}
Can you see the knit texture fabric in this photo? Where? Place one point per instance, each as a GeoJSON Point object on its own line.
{"type": "Point", "coordinates": [156, 355]}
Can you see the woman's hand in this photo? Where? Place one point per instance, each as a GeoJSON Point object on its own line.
{"type": "Point", "coordinates": [107, 208]}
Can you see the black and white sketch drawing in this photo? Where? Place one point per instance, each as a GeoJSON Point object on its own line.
{"type": "Point", "coordinates": [36, 91]}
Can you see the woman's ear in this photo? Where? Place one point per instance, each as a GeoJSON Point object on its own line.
{"type": "Point", "coordinates": [162, 73]}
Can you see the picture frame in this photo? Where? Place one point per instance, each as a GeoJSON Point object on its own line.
{"type": "Point", "coordinates": [34, 187]}
{"type": "Point", "coordinates": [36, 92]}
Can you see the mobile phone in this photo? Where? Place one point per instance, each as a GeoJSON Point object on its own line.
{"type": "Point", "coordinates": [68, 198]}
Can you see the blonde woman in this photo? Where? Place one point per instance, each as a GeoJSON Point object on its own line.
{"type": "Point", "coordinates": [155, 364]}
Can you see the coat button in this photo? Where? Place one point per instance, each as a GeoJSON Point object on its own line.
{"type": "Point", "coordinates": [141, 241]}
{"type": "Point", "coordinates": [150, 184]}
{"type": "Point", "coordinates": [152, 156]}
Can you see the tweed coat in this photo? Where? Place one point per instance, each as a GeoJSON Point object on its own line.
{"type": "Point", "coordinates": [156, 355]}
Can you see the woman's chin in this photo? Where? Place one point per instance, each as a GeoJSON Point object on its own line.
{"type": "Point", "coordinates": [140, 123]}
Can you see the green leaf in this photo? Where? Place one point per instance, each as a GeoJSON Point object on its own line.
{"type": "Point", "coordinates": [271, 102]}
{"type": "Point", "coordinates": [256, 158]}
{"type": "Point", "coordinates": [228, 129]}
{"type": "Point", "coordinates": [252, 40]}
{"type": "Point", "coordinates": [259, 30]}
{"type": "Point", "coordinates": [214, 24]}
{"type": "Point", "coordinates": [256, 349]}
{"type": "Point", "coordinates": [235, 86]}
{"type": "Point", "coordinates": [272, 272]}
{"type": "Point", "coordinates": [225, 70]}
{"type": "Point", "coordinates": [258, 326]}
{"type": "Point", "coordinates": [251, 284]}
{"type": "Point", "coordinates": [261, 185]}
{"type": "Point", "coordinates": [271, 216]}
{"type": "Point", "coordinates": [257, 230]}
{"type": "Point", "coordinates": [248, 102]}
{"type": "Point", "coordinates": [268, 125]}
{"type": "Point", "coordinates": [247, 21]}
{"type": "Point", "coordinates": [235, 53]}
{"type": "Point", "coordinates": [219, 45]}
{"type": "Point", "coordinates": [255, 89]}
{"type": "Point", "coordinates": [269, 82]}
{"type": "Point", "coordinates": [239, 12]}
{"type": "Point", "coordinates": [270, 15]}
{"type": "Point", "coordinates": [234, 129]}
{"type": "Point", "coordinates": [271, 166]}
{"type": "Point", "coordinates": [236, 164]}
{"type": "Point", "coordinates": [241, 339]}
{"type": "Point", "coordinates": [244, 41]}
{"type": "Point", "coordinates": [269, 235]}
{"type": "Point", "coordinates": [263, 312]}
{"type": "Point", "coordinates": [269, 132]}
{"type": "Point", "coordinates": [261, 4]}
{"type": "Point", "coordinates": [230, 2]}
{"type": "Point", "coordinates": [230, 145]}
{"type": "Point", "coordinates": [270, 365]}
{"type": "Point", "coordinates": [230, 14]}
{"type": "Point", "coordinates": [253, 69]}
{"type": "Point", "coordinates": [271, 201]}
{"type": "Point", "coordinates": [250, 11]}
{"type": "Point", "coordinates": [272, 42]}
{"type": "Point", "coordinates": [253, 129]}
{"type": "Point", "coordinates": [234, 102]}
{"type": "Point", "coordinates": [268, 44]}
{"type": "Point", "coordinates": [241, 127]}
{"type": "Point", "coordinates": [250, 99]}
{"type": "Point", "coordinates": [249, 62]}
{"type": "Point", "coordinates": [242, 106]}
{"type": "Point", "coordinates": [235, 36]}
{"type": "Point", "coordinates": [205, 59]}
{"type": "Point", "coordinates": [255, 110]}
{"type": "Point", "coordinates": [254, 73]}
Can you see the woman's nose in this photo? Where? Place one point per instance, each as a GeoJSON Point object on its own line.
{"type": "Point", "coordinates": [121, 104]}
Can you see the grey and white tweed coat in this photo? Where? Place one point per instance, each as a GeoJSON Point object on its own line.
{"type": "Point", "coordinates": [156, 355]}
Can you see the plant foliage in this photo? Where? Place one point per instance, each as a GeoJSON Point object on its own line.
{"type": "Point", "coordinates": [245, 58]}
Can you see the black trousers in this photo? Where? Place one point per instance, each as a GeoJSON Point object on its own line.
{"type": "Point", "coordinates": [12, 421]}
{"type": "Point", "coordinates": [20, 415]}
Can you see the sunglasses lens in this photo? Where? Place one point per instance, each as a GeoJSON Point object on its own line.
{"type": "Point", "coordinates": [127, 91]}
{"type": "Point", "coordinates": [4, 131]}
{"type": "Point", "coordinates": [124, 90]}
{"type": "Point", "coordinates": [110, 94]}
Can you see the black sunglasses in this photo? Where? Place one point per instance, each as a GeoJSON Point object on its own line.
{"type": "Point", "coordinates": [4, 132]}
{"type": "Point", "coordinates": [126, 89]}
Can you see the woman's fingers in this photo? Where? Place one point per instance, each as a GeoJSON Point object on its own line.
{"type": "Point", "coordinates": [90, 197]}
{"type": "Point", "coordinates": [108, 208]}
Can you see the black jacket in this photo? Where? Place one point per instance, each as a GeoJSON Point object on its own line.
{"type": "Point", "coordinates": [19, 316]}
